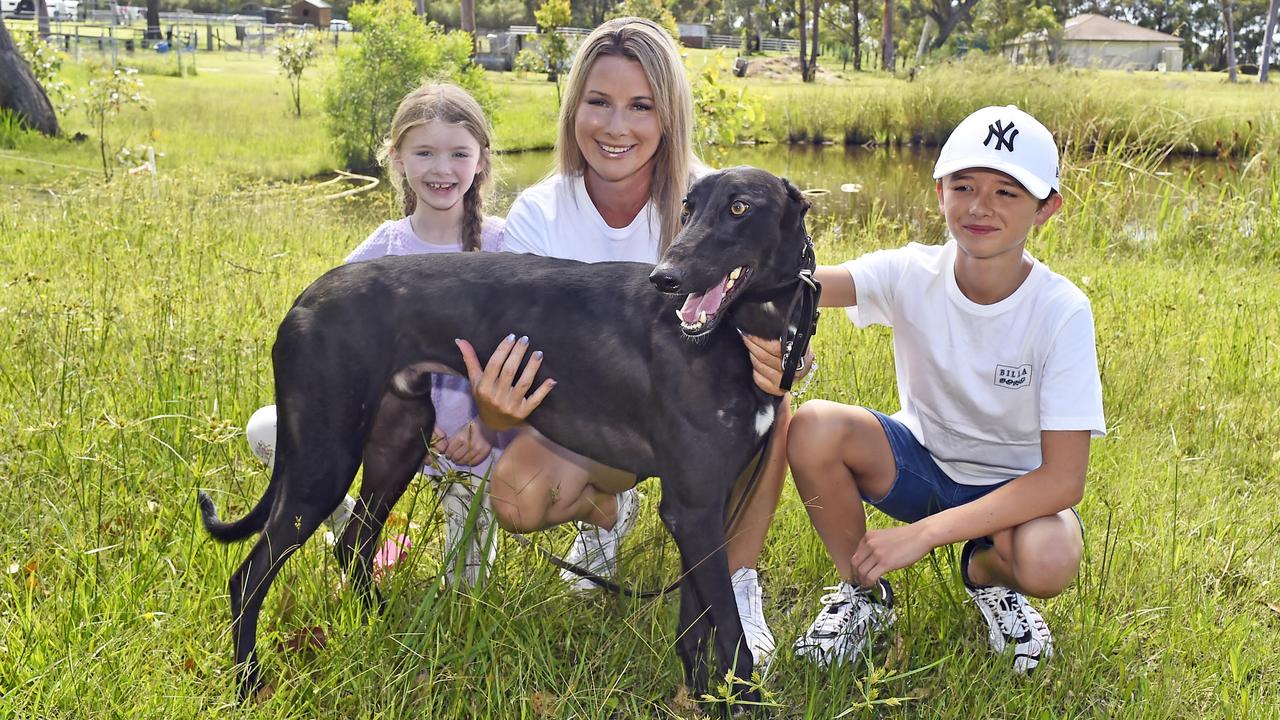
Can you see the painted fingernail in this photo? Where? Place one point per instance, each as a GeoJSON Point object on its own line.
{"type": "Point", "coordinates": [524, 339]}
{"type": "Point", "coordinates": [537, 354]}
{"type": "Point", "coordinates": [510, 337]}
{"type": "Point", "coordinates": [553, 383]}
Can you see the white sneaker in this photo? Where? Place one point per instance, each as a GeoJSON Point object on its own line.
{"type": "Point", "coordinates": [847, 625]}
{"type": "Point", "coordinates": [338, 519]}
{"type": "Point", "coordinates": [747, 593]}
{"type": "Point", "coordinates": [1010, 620]}
{"type": "Point", "coordinates": [596, 549]}
{"type": "Point", "coordinates": [474, 541]}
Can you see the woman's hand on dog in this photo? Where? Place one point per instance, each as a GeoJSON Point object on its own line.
{"type": "Point", "coordinates": [766, 363]}
{"type": "Point", "coordinates": [502, 398]}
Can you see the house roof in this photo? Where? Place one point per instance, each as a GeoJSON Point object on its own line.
{"type": "Point", "coordinates": [1097, 27]}
{"type": "Point", "coordinates": [313, 3]}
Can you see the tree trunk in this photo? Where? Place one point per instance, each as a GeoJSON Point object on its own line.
{"type": "Point", "coordinates": [42, 18]}
{"type": "Point", "coordinates": [948, 17]}
{"type": "Point", "coordinates": [804, 41]}
{"type": "Point", "coordinates": [857, 36]}
{"type": "Point", "coordinates": [1230, 30]}
{"type": "Point", "coordinates": [813, 48]}
{"type": "Point", "coordinates": [886, 42]}
{"type": "Point", "coordinates": [153, 20]}
{"type": "Point", "coordinates": [468, 21]}
{"type": "Point", "coordinates": [926, 34]}
{"type": "Point", "coordinates": [19, 90]}
{"type": "Point", "coordinates": [1273, 15]}
{"type": "Point", "coordinates": [420, 7]}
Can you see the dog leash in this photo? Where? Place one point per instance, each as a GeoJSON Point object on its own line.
{"type": "Point", "coordinates": [795, 344]}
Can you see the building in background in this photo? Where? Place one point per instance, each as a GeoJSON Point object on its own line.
{"type": "Point", "coordinates": [1097, 41]}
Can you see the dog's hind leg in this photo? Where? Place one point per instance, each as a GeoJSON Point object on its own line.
{"type": "Point", "coordinates": [294, 518]}
{"type": "Point", "coordinates": [393, 454]}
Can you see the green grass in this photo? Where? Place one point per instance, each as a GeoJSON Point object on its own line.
{"type": "Point", "coordinates": [137, 319]}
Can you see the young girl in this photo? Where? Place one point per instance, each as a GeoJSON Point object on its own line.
{"type": "Point", "coordinates": [624, 156]}
{"type": "Point", "coordinates": [438, 159]}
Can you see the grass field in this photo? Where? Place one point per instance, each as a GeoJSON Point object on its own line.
{"type": "Point", "coordinates": [137, 317]}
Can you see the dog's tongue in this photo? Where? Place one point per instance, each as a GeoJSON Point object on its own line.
{"type": "Point", "coordinates": [697, 303]}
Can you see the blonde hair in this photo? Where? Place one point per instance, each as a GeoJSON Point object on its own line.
{"type": "Point", "coordinates": [674, 161]}
{"type": "Point", "coordinates": [451, 104]}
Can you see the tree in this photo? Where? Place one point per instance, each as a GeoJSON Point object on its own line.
{"type": "Point", "coordinates": [296, 53]}
{"type": "Point", "coordinates": [650, 10]}
{"type": "Point", "coordinates": [844, 19]}
{"type": "Point", "coordinates": [808, 65]}
{"type": "Point", "coordinates": [1230, 38]}
{"type": "Point", "coordinates": [946, 15]}
{"type": "Point", "coordinates": [468, 22]}
{"type": "Point", "coordinates": [886, 41]}
{"type": "Point", "coordinates": [19, 91]}
{"type": "Point", "coordinates": [551, 15]}
{"type": "Point", "coordinates": [1269, 38]}
{"type": "Point", "coordinates": [42, 18]}
{"type": "Point", "coordinates": [153, 20]}
{"type": "Point", "coordinates": [393, 52]}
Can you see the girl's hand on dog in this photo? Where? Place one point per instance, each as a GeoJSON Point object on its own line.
{"type": "Point", "coordinates": [766, 363]}
{"type": "Point", "coordinates": [502, 398]}
{"type": "Point", "coordinates": [469, 446]}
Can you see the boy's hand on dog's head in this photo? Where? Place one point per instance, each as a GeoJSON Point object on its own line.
{"type": "Point", "coordinates": [503, 399]}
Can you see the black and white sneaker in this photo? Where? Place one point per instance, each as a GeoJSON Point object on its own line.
{"type": "Point", "coordinates": [1011, 620]}
{"type": "Point", "coordinates": [850, 620]}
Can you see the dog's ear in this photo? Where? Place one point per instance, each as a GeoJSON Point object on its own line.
{"type": "Point", "coordinates": [799, 204]}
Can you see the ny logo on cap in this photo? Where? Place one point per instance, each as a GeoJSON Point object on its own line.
{"type": "Point", "coordinates": [1004, 135]}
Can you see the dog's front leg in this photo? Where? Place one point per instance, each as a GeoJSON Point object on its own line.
{"type": "Point", "coordinates": [707, 608]}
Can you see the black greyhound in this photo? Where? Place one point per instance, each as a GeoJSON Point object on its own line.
{"type": "Point", "coordinates": [645, 385]}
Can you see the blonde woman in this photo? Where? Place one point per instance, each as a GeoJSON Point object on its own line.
{"type": "Point", "coordinates": [624, 157]}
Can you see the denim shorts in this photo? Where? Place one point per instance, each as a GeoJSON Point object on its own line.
{"type": "Point", "coordinates": [920, 488]}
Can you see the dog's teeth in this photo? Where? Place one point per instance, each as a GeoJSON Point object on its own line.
{"type": "Point", "coordinates": [729, 285]}
{"type": "Point", "coordinates": [702, 317]}
{"type": "Point", "coordinates": [737, 273]}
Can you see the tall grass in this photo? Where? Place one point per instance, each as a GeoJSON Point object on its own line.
{"type": "Point", "coordinates": [1182, 113]}
{"type": "Point", "coordinates": [136, 322]}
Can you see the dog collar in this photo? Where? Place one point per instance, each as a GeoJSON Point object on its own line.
{"type": "Point", "coordinates": [795, 343]}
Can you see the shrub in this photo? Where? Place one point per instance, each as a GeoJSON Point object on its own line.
{"type": "Point", "coordinates": [393, 53]}
{"type": "Point", "coordinates": [296, 53]}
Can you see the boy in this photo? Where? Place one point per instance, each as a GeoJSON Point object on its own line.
{"type": "Point", "coordinates": [998, 381]}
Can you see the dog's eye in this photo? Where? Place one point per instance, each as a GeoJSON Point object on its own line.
{"type": "Point", "coordinates": [684, 210]}
{"type": "Point", "coordinates": [738, 208]}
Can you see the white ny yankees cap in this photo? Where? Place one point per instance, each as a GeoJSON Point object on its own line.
{"type": "Point", "coordinates": [1005, 139]}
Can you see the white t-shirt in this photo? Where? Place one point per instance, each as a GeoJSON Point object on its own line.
{"type": "Point", "coordinates": [978, 383]}
{"type": "Point", "coordinates": [556, 218]}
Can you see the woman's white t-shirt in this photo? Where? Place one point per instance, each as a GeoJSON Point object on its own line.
{"type": "Point", "coordinates": [978, 383]}
{"type": "Point", "coordinates": [556, 218]}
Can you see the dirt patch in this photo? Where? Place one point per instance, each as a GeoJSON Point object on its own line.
{"type": "Point", "coordinates": [785, 67]}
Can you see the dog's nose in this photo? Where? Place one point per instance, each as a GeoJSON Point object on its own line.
{"type": "Point", "coordinates": [666, 279]}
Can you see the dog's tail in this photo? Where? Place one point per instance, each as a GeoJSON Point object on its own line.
{"type": "Point", "coordinates": [239, 529]}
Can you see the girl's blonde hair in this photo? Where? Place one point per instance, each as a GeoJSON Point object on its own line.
{"type": "Point", "coordinates": [450, 104]}
{"type": "Point", "coordinates": [674, 161]}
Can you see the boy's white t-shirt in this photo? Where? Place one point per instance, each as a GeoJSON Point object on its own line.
{"type": "Point", "coordinates": [556, 218]}
{"type": "Point", "coordinates": [978, 383]}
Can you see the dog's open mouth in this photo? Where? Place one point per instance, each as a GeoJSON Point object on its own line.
{"type": "Point", "coordinates": [698, 314]}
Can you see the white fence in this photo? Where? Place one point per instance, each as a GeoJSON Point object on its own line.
{"type": "Point", "coordinates": [766, 43]}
